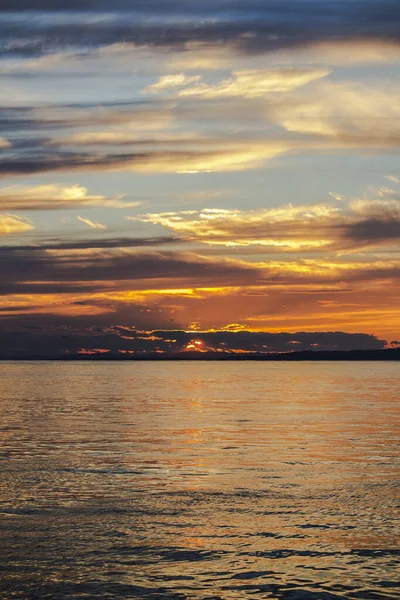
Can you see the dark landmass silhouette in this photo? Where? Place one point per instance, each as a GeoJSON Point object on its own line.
{"type": "Point", "coordinates": [307, 355]}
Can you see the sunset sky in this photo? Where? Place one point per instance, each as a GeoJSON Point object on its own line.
{"type": "Point", "coordinates": [224, 172]}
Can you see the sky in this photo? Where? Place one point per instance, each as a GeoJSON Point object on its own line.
{"type": "Point", "coordinates": [199, 175]}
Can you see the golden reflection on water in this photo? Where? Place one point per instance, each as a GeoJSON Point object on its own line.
{"type": "Point", "coordinates": [200, 479]}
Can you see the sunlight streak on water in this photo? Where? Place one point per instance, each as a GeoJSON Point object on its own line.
{"type": "Point", "coordinates": [199, 480]}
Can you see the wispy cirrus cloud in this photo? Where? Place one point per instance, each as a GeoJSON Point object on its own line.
{"type": "Point", "coordinates": [245, 84]}
{"type": "Point", "coordinates": [92, 224]}
{"type": "Point", "coordinates": [268, 124]}
{"type": "Point", "coordinates": [365, 113]}
{"type": "Point", "coordinates": [168, 82]}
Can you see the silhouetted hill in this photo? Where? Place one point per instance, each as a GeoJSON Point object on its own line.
{"type": "Point", "coordinates": [310, 355]}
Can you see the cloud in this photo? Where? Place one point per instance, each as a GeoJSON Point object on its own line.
{"type": "Point", "coordinates": [248, 132]}
{"type": "Point", "coordinates": [120, 271]}
{"type": "Point", "coordinates": [115, 138]}
{"type": "Point", "coordinates": [92, 224]}
{"type": "Point", "coordinates": [386, 208]}
{"type": "Point", "coordinates": [380, 220]}
{"type": "Point", "coordinates": [371, 51]}
{"type": "Point", "coordinates": [198, 156]}
{"type": "Point", "coordinates": [134, 117]}
{"type": "Point", "coordinates": [167, 82]}
{"type": "Point", "coordinates": [75, 264]}
{"type": "Point", "coordinates": [393, 178]}
{"type": "Point", "coordinates": [253, 27]}
{"type": "Point", "coordinates": [340, 52]}
{"type": "Point", "coordinates": [245, 84]}
{"type": "Point", "coordinates": [58, 339]}
{"type": "Point", "coordinates": [330, 264]}
{"type": "Point", "coordinates": [364, 223]}
{"type": "Point", "coordinates": [202, 57]}
{"type": "Point", "coordinates": [122, 280]}
{"type": "Point", "coordinates": [336, 196]}
{"type": "Point", "coordinates": [222, 157]}
{"type": "Point", "coordinates": [351, 112]}
{"type": "Point", "coordinates": [59, 245]}
{"type": "Point", "coordinates": [10, 224]}
{"type": "Point", "coordinates": [54, 197]}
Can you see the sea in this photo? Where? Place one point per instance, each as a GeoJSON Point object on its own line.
{"type": "Point", "coordinates": [199, 480]}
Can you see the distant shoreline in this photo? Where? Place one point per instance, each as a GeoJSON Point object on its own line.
{"type": "Point", "coordinates": [307, 355]}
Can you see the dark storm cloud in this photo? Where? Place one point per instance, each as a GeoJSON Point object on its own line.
{"type": "Point", "coordinates": [275, 342]}
{"type": "Point", "coordinates": [251, 26]}
{"type": "Point", "coordinates": [68, 337]}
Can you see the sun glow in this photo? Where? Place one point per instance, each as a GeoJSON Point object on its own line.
{"type": "Point", "coordinates": [195, 345]}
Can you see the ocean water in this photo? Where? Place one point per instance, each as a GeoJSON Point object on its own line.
{"type": "Point", "coordinates": [199, 480]}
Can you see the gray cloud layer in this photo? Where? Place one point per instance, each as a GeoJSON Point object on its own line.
{"type": "Point", "coordinates": [252, 26]}
{"type": "Point", "coordinates": [21, 268]}
{"type": "Point", "coordinates": [89, 267]}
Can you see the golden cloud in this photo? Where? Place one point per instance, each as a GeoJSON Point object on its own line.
{"type": "Point", "coordinates": [54, 197]}
{"type": "Point", "coordinates": [290, 228]}
{"type": "Point", "coordinates": [246, 84]}
{"type": "Point", "coordinates": [10, 224]}
{"type": "Point", "coordinates": [249, 156]}
{"type": "Point", "coordinates": [166, 82]}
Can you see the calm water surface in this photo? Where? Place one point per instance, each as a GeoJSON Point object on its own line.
{"type": "Point", "coordinates": [199, 480]}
